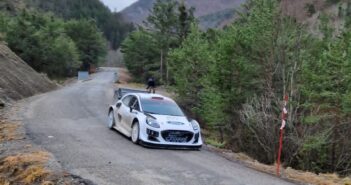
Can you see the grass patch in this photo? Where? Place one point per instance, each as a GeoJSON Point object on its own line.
{"type": "Point", "coordinates": [211, 137]}
{"type": "Point", "coordinates": [8, 131]}
{"type": "Point", "coordinates": [24, 168]}
{"type": "Point", "coordinates": [214, 142]}
{"type": "Point", "coordinates": [60, 80]}
{"type": "Point", "coordinates": [318, 179]}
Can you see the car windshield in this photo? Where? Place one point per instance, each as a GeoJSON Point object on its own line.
{"type": "Point", "coordinates": [161, 106]}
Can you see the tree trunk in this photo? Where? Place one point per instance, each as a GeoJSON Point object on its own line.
{"type": "Point", "coordinates": [167, 73]}
{"type": "Point", "coordinates": [161, 65]}
{"type": "Point", "coordinates": [334, 143]}
{"type": "Point", "coordinates": [221, 134]}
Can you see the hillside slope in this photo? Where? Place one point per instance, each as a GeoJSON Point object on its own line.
{"type": "Point", "coordinates": [11, 6]}
{"type": "Point", "coordinates": [211, 11]}
{"type": "Point", "coordinates": [309, 13]}
{"type": "Point", "coordinates": [17, 79]}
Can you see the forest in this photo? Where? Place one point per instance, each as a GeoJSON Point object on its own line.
{"type": "Point", "coordinates": [233, 80]}
{"type": "Point", "coordinates": [114, 28]}
{"type": "Point", "coordinates": [59, 37]}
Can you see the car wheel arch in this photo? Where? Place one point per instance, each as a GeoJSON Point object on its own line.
{"type": "Point", "coordinates": [110, 109]}
{"type": "Point", "coordinates": [135, 120]}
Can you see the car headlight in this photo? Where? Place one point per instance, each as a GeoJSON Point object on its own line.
{"type": "Point", "coordinates": [195, 125]}
{"type": "Point", "coordinates": [152, 122]}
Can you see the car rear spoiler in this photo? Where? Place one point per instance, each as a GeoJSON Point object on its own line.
{"type": "Point", "coordinates": [120, 92]}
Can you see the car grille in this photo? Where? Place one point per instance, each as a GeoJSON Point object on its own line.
{"type": "Point", "coordinates": [177, 136]}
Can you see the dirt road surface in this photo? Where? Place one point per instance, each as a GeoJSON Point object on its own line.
{"type": "Point", "coordinates": [71, 124]}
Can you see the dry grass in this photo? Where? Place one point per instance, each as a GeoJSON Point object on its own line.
{"type": "Point", "coordinates": [24, 168]}
{"type": "Point", "coordinates": [123, 76]}
{"type": "Point", "coordinates": [288, 173]}
{"type": "Point", "coordinates": [8, 131]}
{"type": "Point", "coordinates": [312, 178]}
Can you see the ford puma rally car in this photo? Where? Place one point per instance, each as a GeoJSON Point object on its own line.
{"type": "Point", "coordinates": [154, 120]}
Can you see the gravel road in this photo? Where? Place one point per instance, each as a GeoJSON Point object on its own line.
{"type": "Point", "coordinates": [71, 123]}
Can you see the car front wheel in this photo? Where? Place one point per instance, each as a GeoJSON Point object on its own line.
{"type": "Point", "coordinates": [135, 133]}
{"type": "Point", "coordinates": [111, 120]}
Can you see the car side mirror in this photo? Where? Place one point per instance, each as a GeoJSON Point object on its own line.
{"type": "Point", "coordinates": [131, 109]}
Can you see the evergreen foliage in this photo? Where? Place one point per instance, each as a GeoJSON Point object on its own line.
{"type": "Point", "coordinates": [111, 24]}
{"type": "Point", "coordinates": [141, 55]}
{"type": "Point", "coordinates": [89, 41]}
{"type": "Point", "coordinates": [234, 80]}
{"type": "Point", "coordinates": [53, 46]}
{"type": "Point", "coordinates": [166, 27]}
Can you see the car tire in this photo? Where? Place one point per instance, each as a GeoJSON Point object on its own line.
{"type": "Point", "coordinates": [111, 120]}
{"type": "Point", "coordinates": [135, 133]}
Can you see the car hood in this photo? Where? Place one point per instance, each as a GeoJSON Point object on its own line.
{"type": "Point", "coordinates": [173, 122]}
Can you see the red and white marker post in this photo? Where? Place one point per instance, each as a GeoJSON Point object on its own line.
{"type": "Point", "coordinates": [284, 117]}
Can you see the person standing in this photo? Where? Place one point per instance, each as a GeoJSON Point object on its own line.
{"type": "Point", "coordinates": [151, 85]}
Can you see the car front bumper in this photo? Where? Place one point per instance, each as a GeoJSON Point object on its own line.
{"type": "Point", "coordinates": [164, 138]}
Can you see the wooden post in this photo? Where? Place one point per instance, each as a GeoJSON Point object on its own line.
{"type": "Point", "coordinates": [284, 116]}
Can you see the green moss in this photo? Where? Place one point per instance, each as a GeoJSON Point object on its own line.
{"type": "Point", "coordinates": [214, 143]}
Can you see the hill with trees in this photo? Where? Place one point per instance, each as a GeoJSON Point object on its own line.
{"type": "Point", "coordinates": [211, 11]}
{"type": "Point", "coordinates": [58, 37]}
{"type": "Point", "coordinates": [111, 24]}
{"type": "Point", "coordinates": [233, 80]}
{"type": "Point", "coordinates": [51, 45]}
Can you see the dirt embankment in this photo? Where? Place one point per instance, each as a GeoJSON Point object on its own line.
{"type": "Point", "coordinates": [17, 79]}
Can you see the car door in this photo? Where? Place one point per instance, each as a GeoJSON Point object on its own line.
{"type": "Point", "coordinates": [123, 113]}
{"type": "Point", "coordinates": [134, 104]}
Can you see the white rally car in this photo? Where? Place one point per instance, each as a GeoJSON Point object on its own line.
{"type": "Point", "coordinates": [154, 120]}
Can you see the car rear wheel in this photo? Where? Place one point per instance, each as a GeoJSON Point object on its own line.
{"type": "Point", "coordinates": [135, 133]}
{"type": "Point", "coordinates": [111, 120]}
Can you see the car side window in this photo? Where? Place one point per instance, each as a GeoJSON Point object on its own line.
{"type": "Point", "coordinates": [132, 101]}
{"type": "Point", "coordinates": [136, 105]}
{"type": "Point", "coordinates": [126, 100]}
